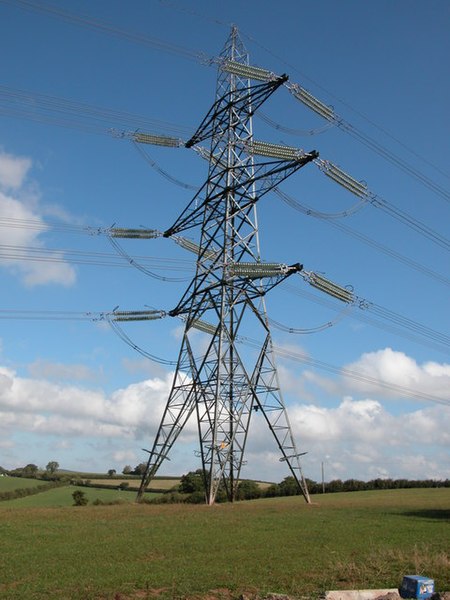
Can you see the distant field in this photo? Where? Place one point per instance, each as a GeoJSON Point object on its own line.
{"type": "Point", "coordinates": [159, 484]}
{"type": "Point", "coordinates": [8, 484]}
{"type": "Point", "coordinates": [60, 497]}
{"type": "Point", "coordinates": [353, 540]}
{"type": "Point", "coordinates": [155, 484]}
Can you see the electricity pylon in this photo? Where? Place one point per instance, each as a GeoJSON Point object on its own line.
{"type": "Point", "coordinates": [223, 385]}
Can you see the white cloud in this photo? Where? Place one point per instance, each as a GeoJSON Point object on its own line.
{"type": "Point", "coordinates": [398, 369]}
{"type": "Point", "coordinates": [21, 243]}
{"type": "Point", "coordinates": [13, 170]}
{"type": "Point", "coordinates": [358, 437]}
{"type": "Point", "coordinates": [123, 456]}
{"type": "Point", "coordinates": [42, 406]}
{"type": "Point", "coordinates": [294, 383]}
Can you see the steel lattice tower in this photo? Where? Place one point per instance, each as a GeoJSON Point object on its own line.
{"type": "Point", "coordinates": [216, 379]}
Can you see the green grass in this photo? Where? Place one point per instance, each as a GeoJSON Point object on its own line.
{"type": "Point", "coordinates": [60, 497]}
{"type": "Point", "coordinates": [354, 540]}
{"type": "Point", "coordinates": [9, 484]}
{"type": "Point", "coordinates": [159, 484]}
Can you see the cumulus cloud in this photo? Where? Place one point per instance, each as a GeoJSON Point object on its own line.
{"type": "Point", "coordinates": [358, 429]}
{"type": "Point", "coordinates": [20, 243]}
{"type": "Point", "coordinates": [294, 383]}
{"type": "Point", "coordinates": [13, 170]}
{"type": "Point", "coordinates": [42, 406]}
{"type": "Point", "coordinates": [357, 435]}
{"type": "Point", "coordinates": [123, 456]}
{"type": "Point", "coordinates": [49, 408]}
{"type": "Point", "coordinates": [397, 369]}
{"type": "Point", "coordinates": [358, 439]}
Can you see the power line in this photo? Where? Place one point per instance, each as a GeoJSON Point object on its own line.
{"type": "Point", "coordinates": [47, 315]}
{"type": "Point", "coordinates": [144, 263]}
{"type": "Point", "coordinates": [10, 252]}
{"type": "Point", "coordinates": [197, 56]}
{"type": "Point", "coordinates": [369, 142]}
{"type": "Point", "coordinates": [110, 29]}
{"type": "Point", "coordinates": [191, 358]}
{"type": "Point", "coordinates": [154, 165]}
{"type": "Point", "coordinates": [421, 157]}
{"type": "Point", "coordinates": [297, 356]}
{"type": "Point", "coordinates": [292, 130]}
{"type": "Point", "coordinates": [64, 106]}
{"type": "Point", "coordinates": [394, 322]}
{"type": "Point", "coordinates": [356, 375]}
{"type": "Point", "coordinates": [354, 186]}
{"type": "Point", "coordinates": [73, 114]}
{"type": "Point", "coordinates": [360, 190]}
{"type": "Point", "coordinates": [330, 218]}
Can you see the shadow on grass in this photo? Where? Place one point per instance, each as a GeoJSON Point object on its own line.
{"type": "Point", "coordinates": [442, 514]}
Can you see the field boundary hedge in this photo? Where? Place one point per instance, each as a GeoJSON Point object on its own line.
{"type": "Point", "coordinates": [30, 491]}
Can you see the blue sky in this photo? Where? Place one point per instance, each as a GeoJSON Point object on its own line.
{"type": "Point", "coordinates": [71, 390]}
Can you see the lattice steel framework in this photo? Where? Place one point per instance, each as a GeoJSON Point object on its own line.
{"type": "Point", "coordinates": [216, 379]}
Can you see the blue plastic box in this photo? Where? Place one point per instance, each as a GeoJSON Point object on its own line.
{"type": "Point", "coordinates": [415, 586]}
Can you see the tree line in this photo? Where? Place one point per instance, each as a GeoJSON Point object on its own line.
{"type": "Point", "coordinates": [191, 487]}
{"type": "Point", "coordinates": [192, 490]}
{"type": "Point", "coordinates": [288, 486]}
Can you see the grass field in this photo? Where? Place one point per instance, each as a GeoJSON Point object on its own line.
{"type": "Point", "coordinates": [8, 484]}
{"type": "Point", "coordinates": [353, 540]}
{"type": "Point", "coordinates": [159, 484]}
{"type": "Point", "coordinates": [60, 497]}
{"type": "Point", "coordinates": [156, 484]}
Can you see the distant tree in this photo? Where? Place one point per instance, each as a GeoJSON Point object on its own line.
{"type": "Point", "coordinates": [123, 485]}
{"type": "Point", "coordinates": [52, 467]}
{"type": "Point", "coordinates": [335, 485]}
{"type": "Point", "coordinates": [192, 482]}
{"type": "Point", "coordinates": [140, 469]}
{"type": "Point", "coordinates": [313, 486]}
{"type": "Point", "coordinates": [111, 472]}
{"type": "Point", "coordinates": [79, 498]}
{"type": "Point", "coordinates": [127, 470]}
{"type": "Point", "coordinates": [272, 491]}
{"type": "Point", "coordinates": [30, 470]}
{"type": "Point", "coordinates": [195, 498]}
{"type": "Point", "coordinates": [248, 490]}
{"type": "Point", "coordinates": [289, 487]}
{"type": "Point", "coordinates": [353, 485]}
